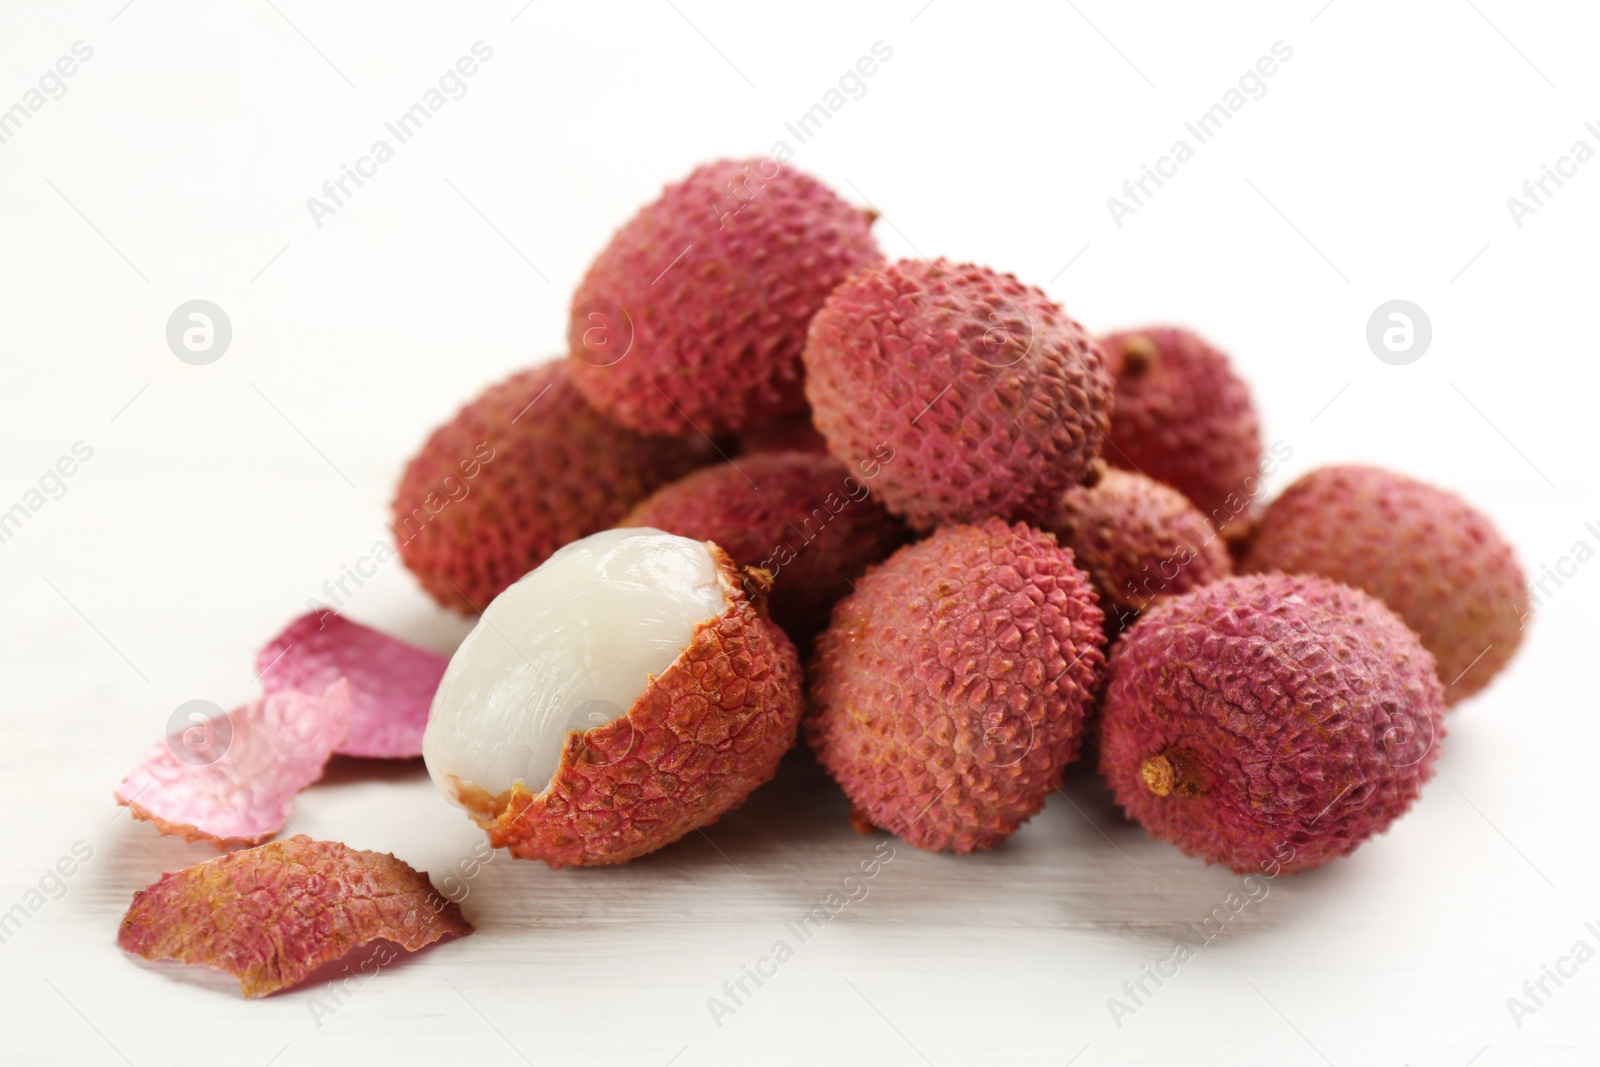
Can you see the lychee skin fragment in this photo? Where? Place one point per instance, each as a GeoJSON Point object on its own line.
{"type": "Point", "coordinates": [950, 690]}
{"type": "Point", "coordinates": [1269, 723]}
{"type": "Point", "coordinates": [523, 469]}
{"type": "Point", "coordinates": [1139, 540]}
{"type": "Point", "coordinates": [694, 315]}
{"type": "Point", "coordinates": [805, 519]}
{"type": "Point", "coordinates": [1184, 418]}
{"type": "Point", "coordinates": [988, 398]}
{"type": "Point", "coordinates": [1432, 557]}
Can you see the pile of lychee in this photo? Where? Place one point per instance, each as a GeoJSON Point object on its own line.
{"type": "Point", "coordinates": [916, 515]}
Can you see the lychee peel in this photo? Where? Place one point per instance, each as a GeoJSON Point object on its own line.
{"type": "Point", "coordinates": [680, 745]}
{"type": "Point", "coordinates": [1269, 722]}
{"type": "Point", "coordinates": [523, 469]}
{"type": "Point", "coordinates": [693, 317]}
{"type": "Point", "coordinates": [950, 689]}
{"type": "Point", "coordinates": [1139, 540]}
{"type": "Point", "coordinates": [991, 398]}
{"type": "Point", "coordinates": [806, 519]}
{"type": "Point", "coordinates": [1432, 557]}
{"type": "Point", "coordinates": [1184, 418]}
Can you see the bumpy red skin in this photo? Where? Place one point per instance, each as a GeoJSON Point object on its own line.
{"type": "Point", "coordinates": [556, 471]}
{"type": "Point", "coordinates": [988, 399]}
{"type": "Point", "coordinates": [1432, 557]}
{"type": "Point", "coordinates": [703, 735]}
{"type": "Point", "coordinates": [950, 691]}
{"type": "Point", "coordinates": [1139, 540]}
{"type": "Point", "coordinates": [803, 518]}
{"type": "Point", "coordinates": [1301, 718]}
{"type": "Point", "coordinates": [270, 916]}
{"type": "Point", "coordinates": [712, 340]}
{"type": "Point", "coordinates": [1183, 417]}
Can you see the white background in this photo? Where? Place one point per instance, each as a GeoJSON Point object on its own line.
{"type": "Point", "coordinates": [220, 498]}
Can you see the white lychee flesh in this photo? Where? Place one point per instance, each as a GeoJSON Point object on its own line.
{"type": "Point", "coordinates": [569, 647]}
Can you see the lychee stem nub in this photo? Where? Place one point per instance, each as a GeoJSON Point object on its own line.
{"type": "Point", "coordinates": [1139, 355]}
{"type": "Point", "coordinates": [1158, 774]}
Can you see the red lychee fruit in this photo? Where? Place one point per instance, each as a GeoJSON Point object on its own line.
{"type": "Point", "coordinates": [1184, 418]}
{"type": "Point", "coordinates": [1432, 557]}
{"type": "Point", "coordinates": [986, 399]}
{"type": "Point", "coordinates": [950, 689]}
{"type": "Point", "coordinates": [1269, 723]}
{"type": "Point", "coordinates": [1139, 540]}
{"type": "Point", "coordinates": [806, 520]}
{"type": "Point", "coordinates": [694, 315]}
{"type": "Point", "coordinates": [522, 470]}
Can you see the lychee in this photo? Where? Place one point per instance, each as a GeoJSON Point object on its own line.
{"type": "Point", "coordinates": [520, 471]}
{"type": "Point", "coordinates": [1139, 540]}
{"type": "Point", "coordinates": [950, 689]}
{"type": "Point", "coordinates": [1184, 418]}
{"type": "Point", "coordinates": [626, 692]}
{"type": "Point", "coordinates": [806, 520]}
{"type": "Point", "coordinates": [1269, 722]}
{"type": "Point", "coordinates": [694, 315]}
{"type": "Point", "coordinates": [990, 399]}
{"type": "Point", "coordinates": [1432, 557]}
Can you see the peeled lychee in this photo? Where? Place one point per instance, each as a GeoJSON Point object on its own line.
{"type": "Point", "coordinates": [694, 315]}
{"type": "Point", "coordinates": [1270, 722]}
{"type": "Point", "coordinates": [1139, 540]}
{"type": "Point", "coordinates": [809, 522]}
{"type": "Point", "coordinates": [992, 399]}
{"type": "Point", "coordinates": [628, 691]}
{"type": "Point", "coordinates": [522, 470]}
{"type": "Point", "coordinates": [950, 689]}
{"type": "Point", "coordinates": [1432, 557]}
{"type": "Point", "coordinates": [1184, 418]}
